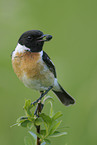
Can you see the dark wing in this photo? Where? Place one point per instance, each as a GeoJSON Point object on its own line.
{"type": "Point", "coordinates": [49, 63]}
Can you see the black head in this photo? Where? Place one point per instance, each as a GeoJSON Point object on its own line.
{"type": "Point", "coordinates": [34, 39]}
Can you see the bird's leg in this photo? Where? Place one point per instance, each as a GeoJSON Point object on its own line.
{"type": "Point", "coordinates": [35, 113]}
{"type": "Point", "coordinates": [36, 110]}
{"type": "Point", "coordinates": [39, 100]}
{"type": "Point", "coordinates": [42, 95]}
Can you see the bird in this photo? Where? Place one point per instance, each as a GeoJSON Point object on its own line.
{"type": "Point", "coordinates": [34, 67]}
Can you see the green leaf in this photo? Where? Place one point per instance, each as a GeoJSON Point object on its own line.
{"type": "Point", "coordinates": [46, 128]}
{"type": "Point", "coordinates": [21, 120]}
{"type": "Point", "coordinates": [24, 123]}
{"type": "Point", "coordinates": [47, 99]}
{"type": "Point", "coordinates": [51, 109]}
{"type": "Point", "coordinates": [38, 121]}
{"type": "Point", "coordinates": [27, 107]}
{"type": "Point", "coordinates": [54, 127]}
{"type": "Point", "coordinates": [43, 132]}
{"type": "Point", "coordinates": [28, 141]}
{"type": "Point", "coordinates": [48, 142]}
{"type": "Point", "coordinates": [32, 119]}
{"type": "Point", "coordinates": [57, 115]}
{"type": "Point", "coordinates": [57, 134]}
{"type": "Point", "coordinates": [40, 136]}
{"type": "Point", "coordinates": [46, 118]}
{"type": "Point", "coordinates": [44, 143]}
{"type": "Point", "coordinates": [30, 125]}
{"type": "Point", "coordinates": [27, 104]}
{"type": "Point", "coordinates": [14, 125]}
{"type": "Point", "coordinates": [34, 136]}
{"type": "Point", "coordinates": [50, 100]}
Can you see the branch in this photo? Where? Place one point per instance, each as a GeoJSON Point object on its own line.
{"type": "Point", "coordinates": [39, 109]}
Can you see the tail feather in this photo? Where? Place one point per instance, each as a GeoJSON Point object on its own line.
{"type": "Point", "coordinates": [64, 97]}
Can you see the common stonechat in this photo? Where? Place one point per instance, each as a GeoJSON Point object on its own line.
{"type": "Point", "coordinates": [35, 68]}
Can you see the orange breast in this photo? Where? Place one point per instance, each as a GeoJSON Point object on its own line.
{"type": "Point", "coordinates": [32, 71]}
{"type": "Point", "coordinates": [27, 63]}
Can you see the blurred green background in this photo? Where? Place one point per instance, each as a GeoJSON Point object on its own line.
{"type": "Point", "coordinates": [73, 49]}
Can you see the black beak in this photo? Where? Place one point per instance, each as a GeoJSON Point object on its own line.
{"type": "Point", "coordinates": [45, 37]}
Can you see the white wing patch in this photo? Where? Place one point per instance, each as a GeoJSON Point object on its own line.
{"type": "Point", "coordinates": [56, 85]}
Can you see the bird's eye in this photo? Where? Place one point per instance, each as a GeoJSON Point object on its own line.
{"type": "Point", "coordinates": [29, 37]}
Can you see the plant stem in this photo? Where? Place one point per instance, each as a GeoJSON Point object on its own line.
{"type": "Point", "coordinates": [38, 127]}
